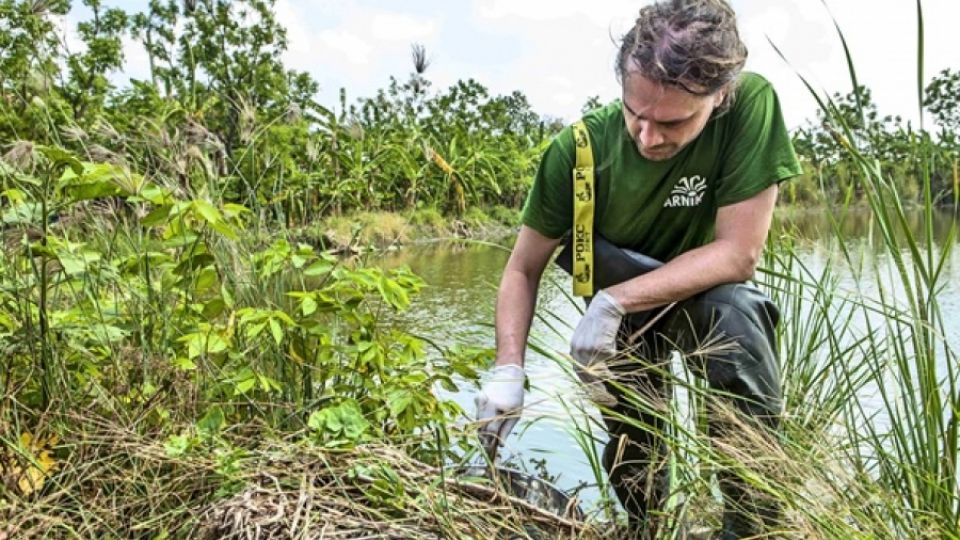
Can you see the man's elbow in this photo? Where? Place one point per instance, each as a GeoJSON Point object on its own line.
{"type": "Point", "coordinates": [744, 264]}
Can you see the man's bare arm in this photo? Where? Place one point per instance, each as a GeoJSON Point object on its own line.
{"type": "Point", "coordinates": [741, 231]}
{"type": "Point", "coordinates": [517, 295]}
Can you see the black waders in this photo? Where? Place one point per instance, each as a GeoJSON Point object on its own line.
{"type": "Point", "coordinates": [727, 336]}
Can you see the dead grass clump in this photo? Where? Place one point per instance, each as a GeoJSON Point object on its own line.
{"type": "Point", "coordinates": [373, 492]}
{"type": "Point", "coordinates": [113, 480]}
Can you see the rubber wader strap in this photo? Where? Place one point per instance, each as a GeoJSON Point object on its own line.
{"type": "Point", "coordinates": [583, 196]}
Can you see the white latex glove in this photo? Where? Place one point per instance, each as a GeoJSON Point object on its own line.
{"type": "Point", "coordinates": [498, 405]}
{"type": "Point", "coordinates": [594, 343]}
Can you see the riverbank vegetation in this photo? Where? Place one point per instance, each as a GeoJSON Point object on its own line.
{"type": "Point", "coordinates": [904, 152]}
{"type": "Point", "coordinates": [186, 355]}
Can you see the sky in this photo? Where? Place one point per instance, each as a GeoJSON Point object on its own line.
{"type": "Point", "coordinates": [560, 52]}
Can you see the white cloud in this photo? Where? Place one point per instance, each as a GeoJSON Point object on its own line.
{"type": "Point", "coordinates": [567, 52]}
{"type": "Point", "coordinates": [881, 35]}
{"type": "Point", "coordinates": [344, 45]}
{"type": "Point", "coordinates": [398, 27]}
{"type": "Point", "coordinates": [355, 46]}
{"type": "Point", "coordinates": [595, 13]}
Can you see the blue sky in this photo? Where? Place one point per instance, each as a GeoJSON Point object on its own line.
{"type": "Point", "coordinates": [559, 52]}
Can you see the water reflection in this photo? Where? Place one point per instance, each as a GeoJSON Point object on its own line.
{"type": "Point", "coordinates": [858, 225]}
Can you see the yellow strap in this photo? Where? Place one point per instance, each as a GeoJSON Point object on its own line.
{"type": "Point", "coordinates": [582, 213]}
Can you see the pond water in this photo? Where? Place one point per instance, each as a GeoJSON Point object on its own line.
{"type": "Point", "coordinates": [457, 306]}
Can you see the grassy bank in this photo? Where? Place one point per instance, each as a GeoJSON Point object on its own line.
{"type": "Point", "coordinates": [380, 230]}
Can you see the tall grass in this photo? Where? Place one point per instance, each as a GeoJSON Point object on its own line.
{"type": "Point", "coordinates": [908, 357]}
{"type": "Point", "coordinates": [869, 442]}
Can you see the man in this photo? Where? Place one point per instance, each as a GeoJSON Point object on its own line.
{"type": "Point", "coordinates": [687, 167]}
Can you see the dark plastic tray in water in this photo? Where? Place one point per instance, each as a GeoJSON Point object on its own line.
{"type": "Point", "coordinates": [526, 487]}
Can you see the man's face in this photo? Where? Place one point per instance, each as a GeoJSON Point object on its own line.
{"type": "Point", "coordinates": [663, 119]}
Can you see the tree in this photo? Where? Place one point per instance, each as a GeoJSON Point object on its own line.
{"type": "Point", "coordinates": [28, 61]}
{"type": "Point", "coordinates": [230, 69]}
{"type": "Point", "coordinates": [942, 99]}
{"type": "Point", "coordinates": [87, 86]}
{"type": "Point", "coordinates": [156, 30]}
{"type": "Point", "coordinates": [593, 102]}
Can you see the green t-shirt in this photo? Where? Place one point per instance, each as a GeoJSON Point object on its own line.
{"type": "Point", "coordinates": [664, 208]}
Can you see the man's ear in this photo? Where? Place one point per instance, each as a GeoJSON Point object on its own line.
{"type": "Point", "coordinates": [721, 95]}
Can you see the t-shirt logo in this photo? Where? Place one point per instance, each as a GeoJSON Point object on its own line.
{"type": "Point", "coordinates": [687, 192]}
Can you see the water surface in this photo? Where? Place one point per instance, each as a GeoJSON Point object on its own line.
{"type": "Point", "coordinates": [458, 307]}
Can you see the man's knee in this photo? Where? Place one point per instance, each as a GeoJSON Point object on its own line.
{"type": "Point", "coordinates": [730, 305]}
{"type": "Point", "coordinates": [728, 336]}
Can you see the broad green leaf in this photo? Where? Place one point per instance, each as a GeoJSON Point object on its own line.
{"type": "Point", "coordinates": [354, 424]}
{"type": "Point", "coordinates": [216, 343]}
{"type": "Point", "coordinates": [398, 401]}
{"type": "Point", "coordinates": [61, 157]}
{"type": "Point", "coordinates": [207, 279]}
{"type": "Point", "coordinates": [308, 306]}
{"type": "Point", "coordinates": [7, 322]}
{"type": "Point", "coordinates": [92, 190]}
{"type": "Point", "coordinates": [393, 294]}
{"type": "Point", "coordinates": [27, 213]}
{"type": "Point", "coordinates": [180, 207]}
{"type": "Point", "coordinates": [332, 421]}
{"type": "Point", "coordinates": [297, 260]}
{"type": "Point", "coordinates": [447, 383]}
{"type": "Point", "coordinates": [108, 333]}
{"type": "Point", "coordinates": [207, 211]}
{"type": "Point", "coordinates": [15, 196]}
{"type": "Point", "coordinates": [255, 330]}
{"type": "Point", "coordinates": [184, 364]}
{"type": "Point", "coordinates": [232, 210]}
{"type": "Point", "coordinates": [285, 318]}
{"type": "Point", "coordinates": [156, 195]}
{"type": "Point", "coordinates": [191, 262]}
{"type": "Point", "coordinates": [213, 421]}
{"type": "Point", "coordinates": [276, 330]}
{"type": "Point", "coordinates": [224, 229]}
{"type": "Point", "coordinates": [316, 420]}
{"type": "Point", "coordinates": [227, 296]}
{"type": "Point", "coordinates": [72, 264]}
{"type": "Point", "coordinates": [213, 308]}
{"type": "Point", "coordinates": [180, 240]}
{"type": "Point", "coordinates": [195, 344]}
{"type": "Point", "coordinates": [318, 268]}
{"type": "Point", "coordinates": [200, 343]}
{"type": "Point", "coordinates": [269, 384]}
{"type": "Point", "coordinates": [244, 386]}
{"type": "Point", "coordinates": [177, 445]}
{"type": "Point", "coordinates": [156, 216]}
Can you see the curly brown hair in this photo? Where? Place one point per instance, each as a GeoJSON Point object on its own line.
{"type": "Point", "coordinates": [693, 44]}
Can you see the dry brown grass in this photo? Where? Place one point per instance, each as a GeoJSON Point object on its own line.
{"type": "Point", "coordinates": [114, 481]}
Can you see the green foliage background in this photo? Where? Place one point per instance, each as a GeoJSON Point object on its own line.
{"type": "Point", "coordinates": [221, 113]}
